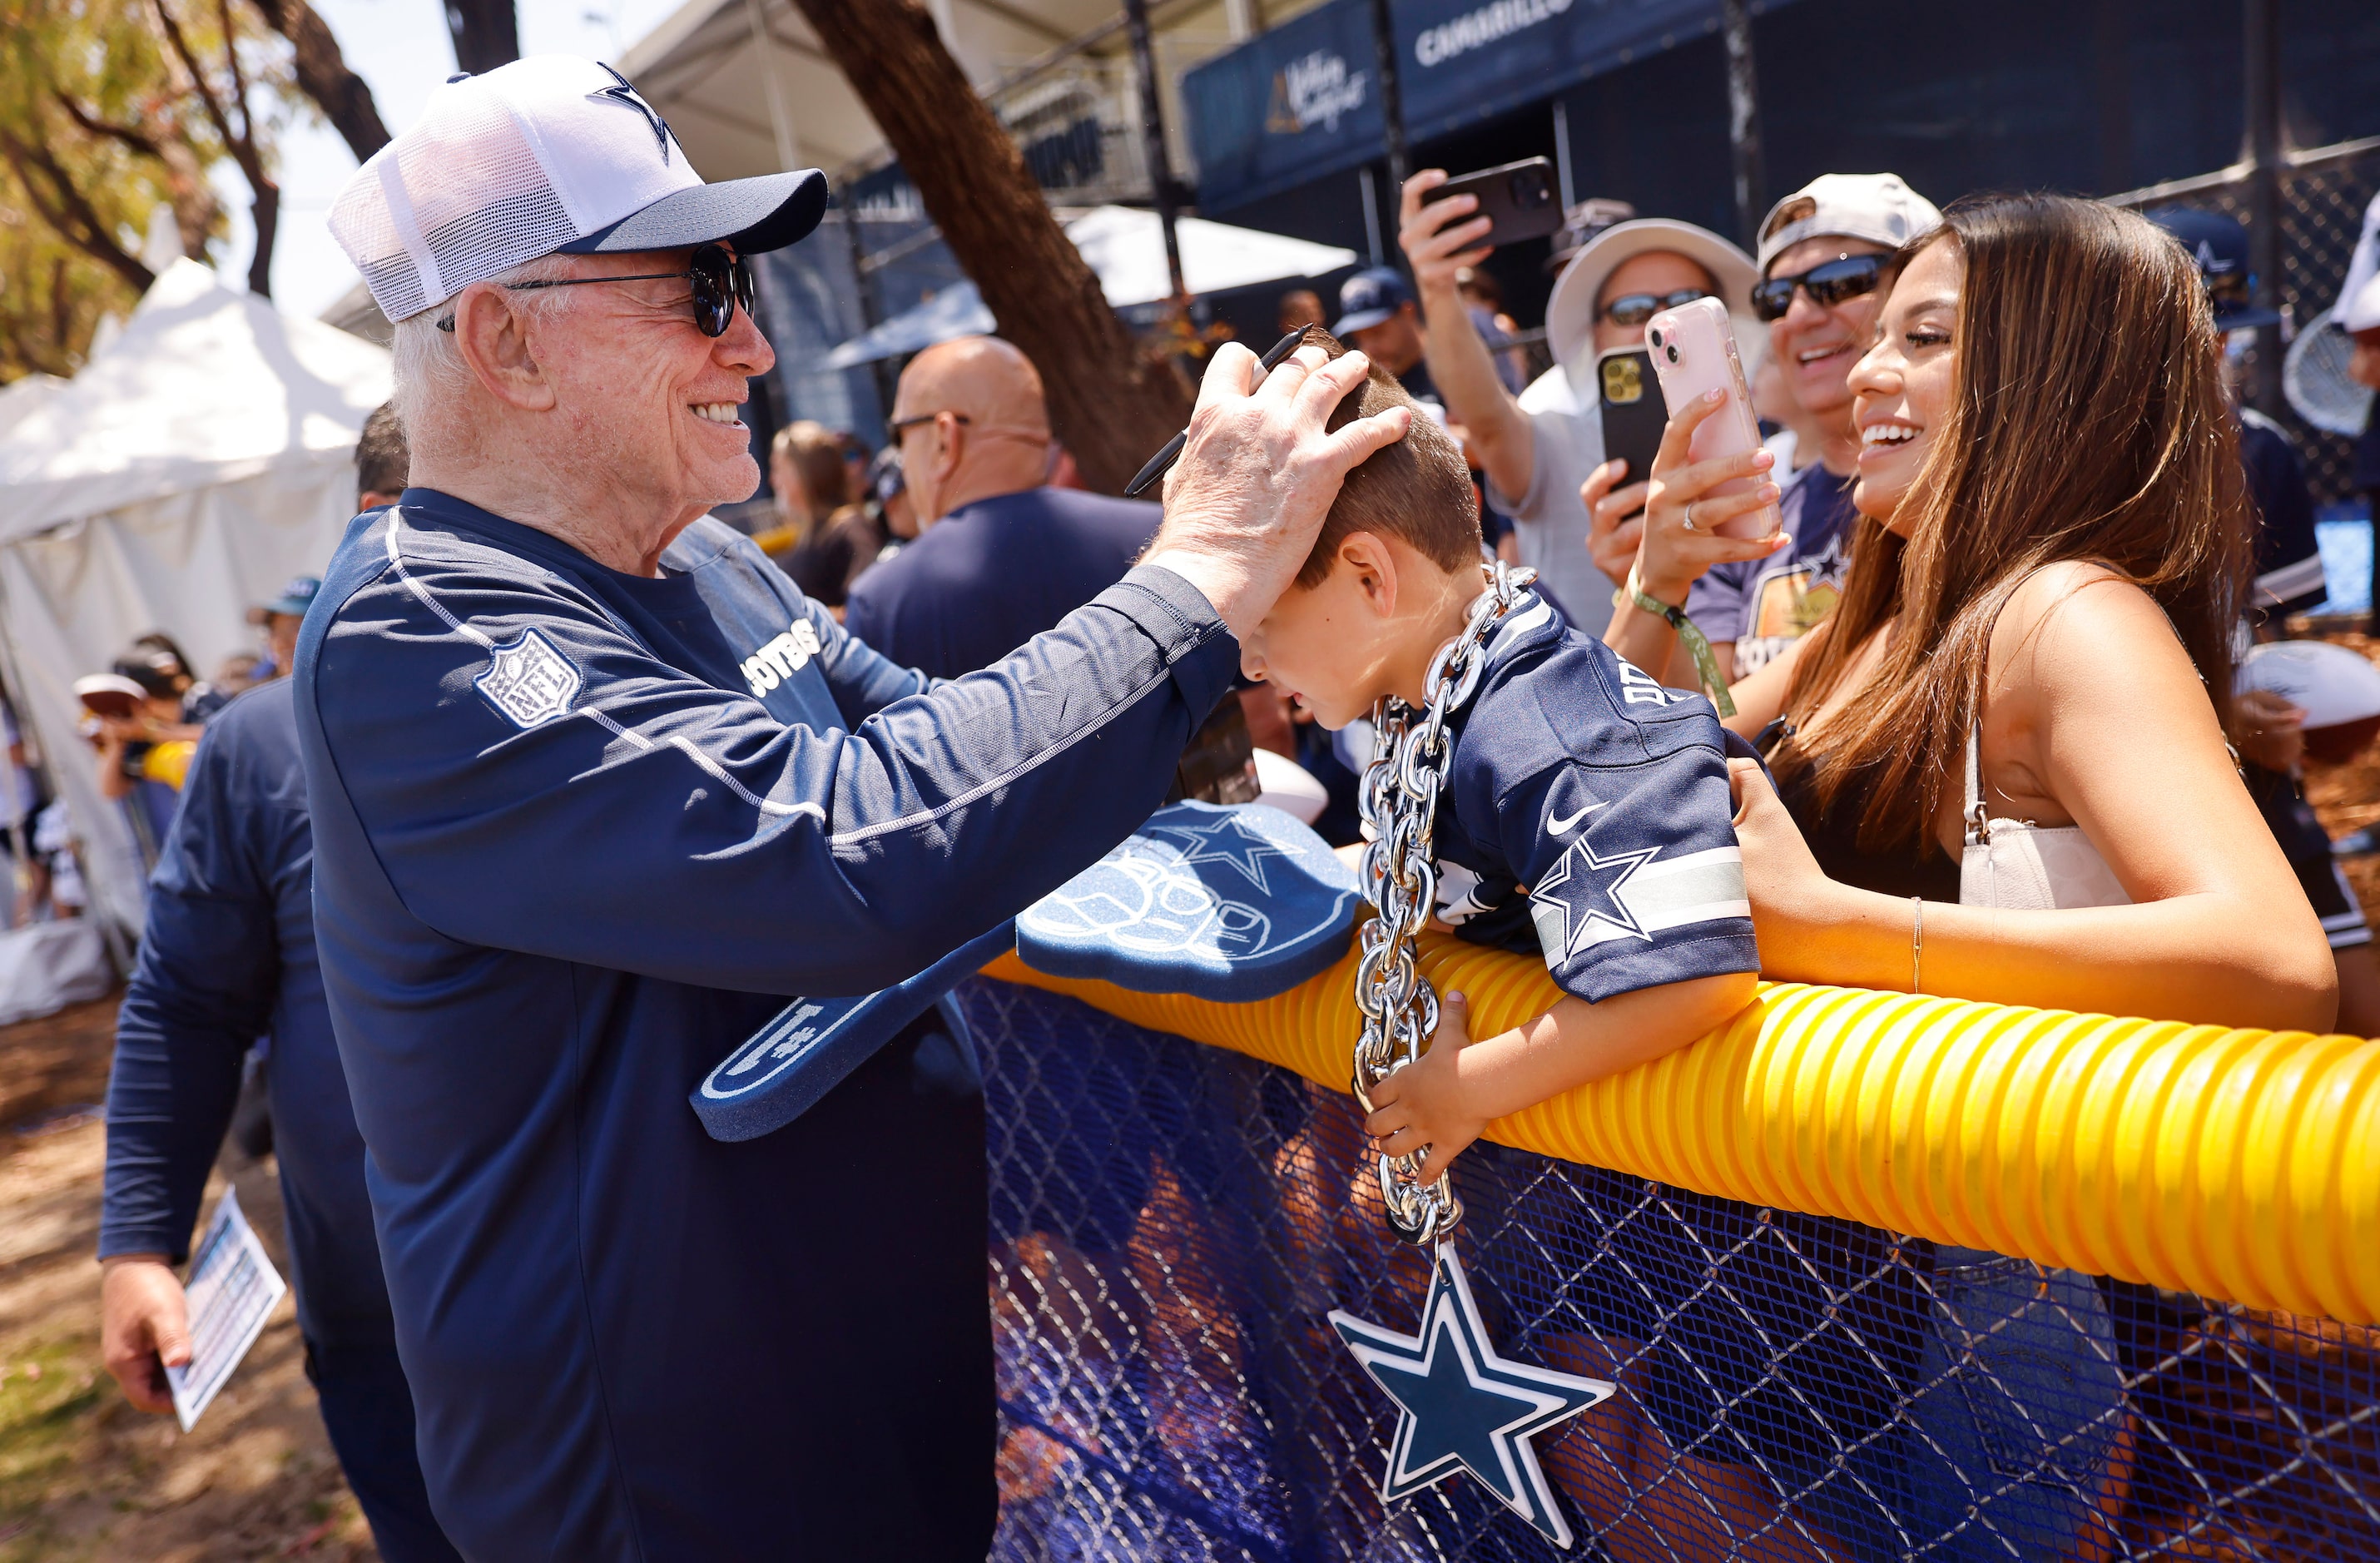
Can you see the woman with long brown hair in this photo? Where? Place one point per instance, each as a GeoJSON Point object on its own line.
{"type": "Point", "coordinates": [2011, 706]}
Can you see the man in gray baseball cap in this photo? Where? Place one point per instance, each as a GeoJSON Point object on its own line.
{"type": "Point", "coordinates": [576, 839]}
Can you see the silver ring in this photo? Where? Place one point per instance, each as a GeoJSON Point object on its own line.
{"type": "Point", "coordinates": [1690, 519]}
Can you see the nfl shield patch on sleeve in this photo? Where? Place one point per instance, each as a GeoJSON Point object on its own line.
{"type": "Point", "coordinates": [528, 680]}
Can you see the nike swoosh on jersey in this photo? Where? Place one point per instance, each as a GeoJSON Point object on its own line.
{"type": "Point", "coordinates": [1560, 826]}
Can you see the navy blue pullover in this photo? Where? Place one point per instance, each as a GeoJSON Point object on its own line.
{"type": "Point", "coordinates": [565, 861]}
{"type": "Point", "coordinates": [227, 956]}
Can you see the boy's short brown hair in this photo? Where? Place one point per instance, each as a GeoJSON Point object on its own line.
{"type": "Point", "coordinates": [1417, 491]}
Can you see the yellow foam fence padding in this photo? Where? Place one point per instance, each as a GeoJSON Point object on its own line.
{"type": "Point", "coordinates": [2242, 1164]}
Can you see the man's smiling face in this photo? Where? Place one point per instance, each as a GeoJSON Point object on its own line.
{"type": "Point", "coordinates": [645, 395]}
{"type": "Point", "coordinates": [1817, 346]}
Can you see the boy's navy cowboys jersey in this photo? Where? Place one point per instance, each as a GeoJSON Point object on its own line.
{"type": "Point", "coordinates": [1588, 817]}
{"type": "Point", "coordinates": [573, 841]}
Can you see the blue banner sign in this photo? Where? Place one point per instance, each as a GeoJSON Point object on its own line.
{"type": "Point", "coordinates": [1288, 105]}
{"type": "Point", "coordinates": [1302, 100]}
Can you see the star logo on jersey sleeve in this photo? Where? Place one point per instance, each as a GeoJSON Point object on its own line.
{"type": "Point", "coordinates": [1464, 1408]}
{"type": "Point", "coordinates": [1227, 840]}
{"type": "Point", "coordinates": [1582, 890]}
{"type": "Point", "coordinates": [626, 96]}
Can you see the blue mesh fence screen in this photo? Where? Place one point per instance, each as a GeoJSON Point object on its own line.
{"type": "Point", "coordinates": [1170, 1222]}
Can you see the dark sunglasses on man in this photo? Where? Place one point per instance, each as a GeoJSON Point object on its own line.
{"type": "Point", "coordinates": [1845, 277]}
{"type": "Point", "coordinates": [1635, 308]}
{"type": "Point", "coordinates": [720, 281]}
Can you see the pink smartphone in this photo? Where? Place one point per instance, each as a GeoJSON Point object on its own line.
{"type": "Point", "coordinates": [1693, 354]}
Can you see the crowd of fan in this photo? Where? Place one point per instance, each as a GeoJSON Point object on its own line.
{"type": "Point", "coordinates": [968, 533]}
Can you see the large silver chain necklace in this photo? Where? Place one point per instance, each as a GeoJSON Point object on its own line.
{"type": "Point", "coordinates": [1481, 1421]}
{"type": "Point", "coordinates": [1398, 800]}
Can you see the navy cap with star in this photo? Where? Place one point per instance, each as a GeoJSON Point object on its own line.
{"type": "Point", "coordinates": [1461, 1407]}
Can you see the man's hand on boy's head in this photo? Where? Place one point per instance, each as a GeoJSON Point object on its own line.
{"type": "Point", "coordinates": [1423, 1105]}
{"type": "Point", "coordinates": [1246, 501]}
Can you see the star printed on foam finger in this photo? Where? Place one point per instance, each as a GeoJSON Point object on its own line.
{"type": "Point", "coordinates": [1230, 840]}
{"type": "Point", "coordinates": [1464, 1408]}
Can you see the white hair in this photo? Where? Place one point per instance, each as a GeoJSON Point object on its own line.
{"type": "Point", "coordinates": [430, 372]}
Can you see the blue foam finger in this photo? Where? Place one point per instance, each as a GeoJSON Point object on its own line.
{"type": "Point", "coordinates": [1229, 904]}
{"type": "Point", "coordinates": [783, 1069]}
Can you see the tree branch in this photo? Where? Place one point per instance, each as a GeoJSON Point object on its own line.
{"type": "Point", "coordinates": [238, 78]}
{"type": "Point", "coordinates": [69, 212]}
{"type": "Point", "coordinates": [206, 94]}
{"type": "Point", "coordinates": [193, 199]}
{"type": "Point", "coordinates": [137, 139]}
{"type": "Point", "coordinates": [323, 75]}
{"type": "Point", "coordinates": [265, 206]}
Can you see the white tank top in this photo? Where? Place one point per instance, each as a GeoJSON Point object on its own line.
{"type": "Point", "coordinates": [2024, 866]}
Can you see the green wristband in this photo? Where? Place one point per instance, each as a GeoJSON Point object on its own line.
{"type": "Point", "coordinates": [1697, 645]}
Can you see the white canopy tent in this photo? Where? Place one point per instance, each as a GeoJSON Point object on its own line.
{"type": "Point", "coordinates": [199, 460]}
{"type": "Point", "coordinates": [1126, 248]}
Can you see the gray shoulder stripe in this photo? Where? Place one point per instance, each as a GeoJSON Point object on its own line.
{"type": "Point", "coordinates": [927, 815]}
{"type": "Point", "coordinates": [712, 767]}
{"type": "Point", "coordinates": [396, 562]}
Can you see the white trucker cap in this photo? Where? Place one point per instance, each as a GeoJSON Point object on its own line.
{"type": "Point", "coordinates": [544, 155]}
{"type": "Point", "coordinates": [1874, 207]}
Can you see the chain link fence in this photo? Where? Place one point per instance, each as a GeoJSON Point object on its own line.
{"type": "Point", "coordinates": [2325, 192]}
{"type": "Point", "coordinates": [1171, 1223]}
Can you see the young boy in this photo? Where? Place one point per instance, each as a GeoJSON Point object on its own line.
{"type": "Point", "coordinates": [1585, 813]}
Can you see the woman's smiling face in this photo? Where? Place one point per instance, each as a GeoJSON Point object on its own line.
{"type": "Point", "coordinates": [1902, 389]}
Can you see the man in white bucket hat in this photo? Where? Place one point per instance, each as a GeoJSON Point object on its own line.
{"type": "Point", "coordinates": [1539, 447]}
{"type": "Point", "coordinates": [567, 859]}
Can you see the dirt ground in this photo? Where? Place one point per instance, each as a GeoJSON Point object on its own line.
{"type": "Point", "coordinates": [83, 1476]}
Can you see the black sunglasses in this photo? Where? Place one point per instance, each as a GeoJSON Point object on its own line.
{"type": "Point", "coordinates": [721, 282]}
{"type": "Point", "coordinates": [1635, 308]}
{"type": "Point", "coordinates": [1848, 277]}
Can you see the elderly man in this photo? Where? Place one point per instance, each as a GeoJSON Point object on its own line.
{"type": "Point", "coordinates": [564, 858]}
{"type": "Point", "coordinates": [1004, 555]}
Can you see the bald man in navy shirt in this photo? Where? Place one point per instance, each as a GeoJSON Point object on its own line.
{"type": "Point", "coordinates": [1004, 555]}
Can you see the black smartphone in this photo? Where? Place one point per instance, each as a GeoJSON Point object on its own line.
{"type": "Point", "coordinates": [1521, 196]}
{"type": "Point", "coordinates": [1628, 401]}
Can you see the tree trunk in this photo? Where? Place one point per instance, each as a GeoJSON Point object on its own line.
{"type": "Point", "coordinates": [265, 211]}
{"type": "Point", "coordinates": [486, 33]}
{"type": "Point", "coordinates": [342, 95]}
{"type": "Point", "coordinates": [1112, 406]}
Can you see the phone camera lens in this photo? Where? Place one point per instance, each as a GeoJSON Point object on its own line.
{"type": "Point", "coordinates": [1657, 340]}
{"type": "Point", "coordinates": [1673, 355]}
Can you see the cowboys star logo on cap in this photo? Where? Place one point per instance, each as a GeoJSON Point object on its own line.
{"type": "Point", "coordinates": [536, 158]}
{"type": "Point", "coordinates": [625, 95]}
